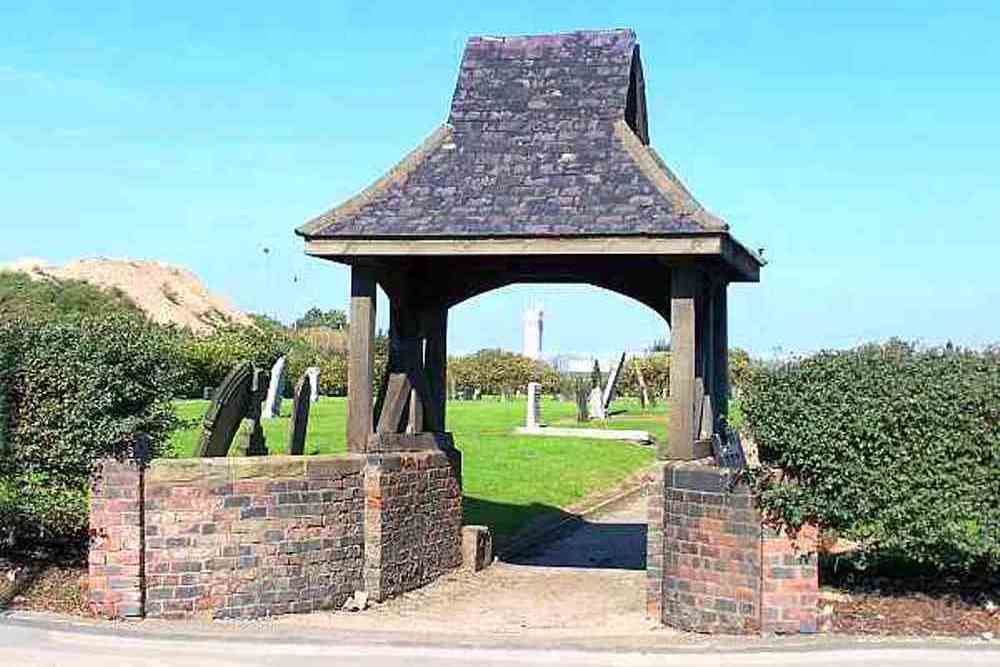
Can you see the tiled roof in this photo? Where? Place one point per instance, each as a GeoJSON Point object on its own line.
{"type": "Point", "coordinates": [546, 137]}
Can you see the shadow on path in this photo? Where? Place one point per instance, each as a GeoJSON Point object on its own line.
{"type": "Point", "coordinates": [616, 542]}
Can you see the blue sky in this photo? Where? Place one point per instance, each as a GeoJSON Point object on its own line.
{"type": "Point", "coordinates": [859, 146]}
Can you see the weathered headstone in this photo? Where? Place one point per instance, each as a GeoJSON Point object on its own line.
{"type": "Point", "coordinates": [609, 388]}
{"type": "Point", "coordinates": [533, 417]}
{"type": "Point", "coordinates": [300, 415]}
{"type": "Point", "coordinates": [206, 393]}
{"type": "Point", "coordinates": [595, 404]}
{"type": "Point", "coordinates": [272, 404]}
{"type": "Point", "coordinates": [250, 437]}
{"type": "Point", "coordinates": [313, 373]}
{"type": "Point", "coordinates": [230, 404]}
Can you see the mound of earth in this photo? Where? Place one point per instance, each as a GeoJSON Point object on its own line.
{"type": "Point", "coordinates": [167, 294]}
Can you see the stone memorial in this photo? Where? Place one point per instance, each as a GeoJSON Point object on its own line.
{"type": "Point", "coordinates": [272, 404]}
{"type": "Point", "coordinates": [609, 388]}
{"type": "Point", "coordinates": [233, 401]}
{"type": "Point", "coordinates": [533, 417]}
{"type": "Point", "coordinates": [313, 373]}
{"type": "Point", "coordinates": [300, 414]}
{"type": "Point", "coordinates": [250, 439]}
{"type": "Point", "coordinates": [206, 393]}
{"type": "Point", "coordinates": [595, 404]}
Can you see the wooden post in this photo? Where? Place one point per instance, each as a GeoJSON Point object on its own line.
{"type": "Point", "coordinates": [706, 333]}
{"type": "Point", "coordinates": [720, 343]}
{"type": "Point", "coordinates": [361, 362]}
{"type": "Point", "coordinates": [684, 285]}
{"type": "Point", "coordinates": [435, 326]}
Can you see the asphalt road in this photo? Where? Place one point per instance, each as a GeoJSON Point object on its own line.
{"type": "Point", "coordinates": [28, 644]}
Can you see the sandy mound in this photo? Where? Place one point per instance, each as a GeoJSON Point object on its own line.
{"type": "Point", "coordinates": [168, 294]}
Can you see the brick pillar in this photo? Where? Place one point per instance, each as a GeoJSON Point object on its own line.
{"type": "Point", "coordinates": [116, 540]}
{"type": "Point", "coordinates": [654, 492]}
{"type": "Point", "coordinates": [413, 519]}
{"type": "Point", "coordinates": [789, 581]}
{"type": "Point", "coordinates": [712, 564]}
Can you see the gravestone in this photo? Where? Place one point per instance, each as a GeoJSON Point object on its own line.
{"type": "Point", "coordinates": [232, 402]}
{"type": "Point", "coordinates": [609, 388]}
{"type": "Point", "coordinates": [272, 404]}
{"type": "Point", "coordinates": [250, 436]}
{"type": "Point", "coordinates": [206, 393]}
{"type": "Point", "coordinates": [595, 404]}
{"type": "Point", "coordinates": [533, 417]}
{"type": "Point", "coordinates": [313, 373]}
{"type": "Point", "coordinates": [300, 415]}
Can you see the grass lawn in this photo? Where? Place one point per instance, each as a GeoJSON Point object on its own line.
{"type": "Point", "coordinates": [508, 480]}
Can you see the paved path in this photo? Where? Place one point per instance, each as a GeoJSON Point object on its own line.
{"type": "Point", "coordinates": [593, 577]}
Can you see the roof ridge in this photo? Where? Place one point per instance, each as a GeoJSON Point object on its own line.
{"type": "Point", "coordinates": [564, 33]}
{"type": "Point", "coordinates": [665, 180]}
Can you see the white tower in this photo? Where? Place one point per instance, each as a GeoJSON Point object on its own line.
{"type": "Point", "coordinates": [531, 341]}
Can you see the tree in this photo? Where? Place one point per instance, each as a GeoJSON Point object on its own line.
{"type": "Point", "coordinates": [317, 317]}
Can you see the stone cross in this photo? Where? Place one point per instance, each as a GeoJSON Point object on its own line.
{"type": "Point", "coordinates": [533, 418]}
{"type": "Point", "coordinates": [313, 373]}
{"type": "Point", "coordinates": [300, 414]}
{"type": "Point", "coordinates": [272, 404]}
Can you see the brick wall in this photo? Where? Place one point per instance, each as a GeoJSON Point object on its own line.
{"type": "Point", "coordinates": [257, 536]}
{"type": "Point", "coordinates": [714, 567]}
{"type": "Point", "coordinates": [116, 535]}
{"type": "Point", "coordinates": [250, 537]}
{"type": "Point", "coordinates": [413, 520]}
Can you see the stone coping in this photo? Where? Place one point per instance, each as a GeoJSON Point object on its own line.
{"type": "Point", "coordinates": [251, 467]}
{"type": "Point", "coordinates": [322, 466]}
{"type": "Point", "coordinates": [704, 476]}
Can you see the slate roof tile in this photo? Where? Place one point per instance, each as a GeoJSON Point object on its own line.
{"type": "Point", "coordinates": [546, 137]}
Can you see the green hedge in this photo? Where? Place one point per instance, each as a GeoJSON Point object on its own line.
{"type": "Point", "coordinates": [891, 445]}
{"type": "Point", "coordinates": [75, 391]}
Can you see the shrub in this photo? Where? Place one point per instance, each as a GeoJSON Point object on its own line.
{"type": "Point", "coordinates": [655, 371]}
{"type": "Point", "coordinates": [498, 371]}
{"type": "Point", "coordinates": [22, 296]}
{"type": "Point", "coordinates": [317, 317]}
{"type": "Point", "coordinates": [891, 445]}
{"type": "Point", "coordinates": [75, 392]}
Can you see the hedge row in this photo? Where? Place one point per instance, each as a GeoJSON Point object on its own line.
{"type": "Point", "coordinates": [75, 390]}
{"type": "Point", "coordinates": [891, 445]}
